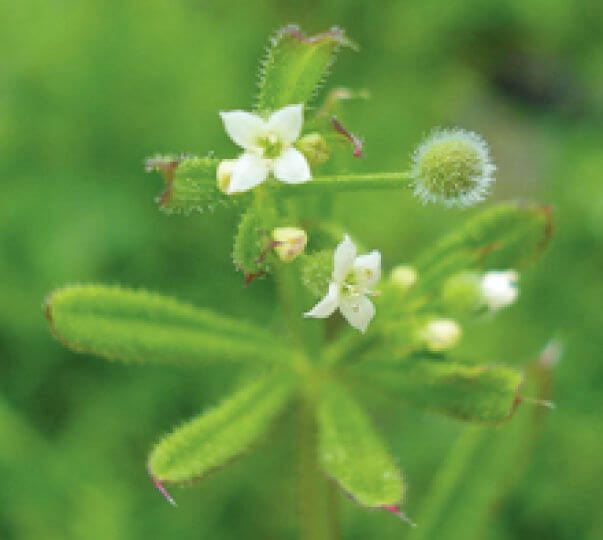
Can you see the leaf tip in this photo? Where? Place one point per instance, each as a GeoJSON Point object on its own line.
{"type": "Point", "coordinates": [160, 487]}
{"type": "Point", "coordinates": [394, 509]}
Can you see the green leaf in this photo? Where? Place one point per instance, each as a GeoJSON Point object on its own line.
{"type": "Point", "coordinates": [191, 184]}
{"type": "Point", "coordinates": [503, 236]}
{"type": "Point", "coordinates": [252, 249]}
{"type": "Point", "coordinates": [123, 324]}
{"type": "Point", "coordinates": [296, 65]}
{"type": "Point", "coordinates": [475, 393]}
{"type": "Point", "coordinates": [217, 436]}
{"type": "Point", "coordinates": [353, 454]}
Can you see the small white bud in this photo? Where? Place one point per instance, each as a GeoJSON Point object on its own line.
{"type": "Point", "coordinates": [289, 242]}
{"type": "Point", "coordinates": [223, 174]}
{"type": "Point", "coordinates": [441, 334]}
{"type": "Point", "coordinates": [499, 288]}
{"type": "Point", "coordinates": [403, 276]}
{"type": "Point", "coordinates": [452, 167]}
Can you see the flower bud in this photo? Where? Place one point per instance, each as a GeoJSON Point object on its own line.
{"type": "Point", "coordinates": [441, 334]}
{"type": "Point", "coordinates": [315, 147]}
{"type": "Point", "coordinates": [461, 293]}
{"type": "Point", "coordinates": [452, 167]}
{"type": "Point", "coordinates": [223, 174]}
{"type": "Point", "coordinates": [499, 289]}
{"type": "Point", "coordinates": [403, 276]}
{"type": "Point", "coordinates": [289, 242]}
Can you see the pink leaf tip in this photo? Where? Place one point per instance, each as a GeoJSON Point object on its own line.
{"type": "Point", "coordinates": [396, 511]}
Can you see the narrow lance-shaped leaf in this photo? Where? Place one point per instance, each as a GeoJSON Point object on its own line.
{"type": "Point", "coordinates": [296, 65]}
{"type": "Point", "coordinates": [129, 325]}
{"type": "Point", "coordinates": [503, 236]}
{"type": "Point", "coordinates": [353, 454]}
{"type": "Point", "coordinates": [253, 243]}
{"type": "Point", "coordinates": [475, 393]}
{"type": "Point", "coordinates": [190, 184]}
{"type": "Point", "coordinates": [217, 436]}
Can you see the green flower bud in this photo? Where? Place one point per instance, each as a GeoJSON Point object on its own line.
{"type": "Point", "coordinates": [452, 167]}
{"type": "Point", "coordinates": [289, 242]}
{"type": "Point", "coordinates": [403, 276]}
{"type": "Point", "coordinates": [461, 293]}
{"type": "Point", "coordinates": [315, 147]}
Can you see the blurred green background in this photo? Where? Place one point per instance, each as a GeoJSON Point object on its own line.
{"type": "Point", "coordinates": [89, 89]}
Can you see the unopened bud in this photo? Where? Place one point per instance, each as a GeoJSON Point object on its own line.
{"type": "Point", "coordinates": [461, 293]}
{"type": "Point", "coordinates": [441, 334]}
{"type": "Point", "coordinates": [499, 289]}
{"type": "Point", "coordinates": [315, 147]}
{"type": "Point", "coordinates": [289, 242]}
{"type": "Point", "coordinates": [452, 167]}
{"type": "Point", "coordinates": [223, 174]}
{"type": "Point", "coordinates": [403, 276]}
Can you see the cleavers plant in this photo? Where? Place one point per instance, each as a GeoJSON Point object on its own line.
{"type": "Point", "coordinates": [402, 330]}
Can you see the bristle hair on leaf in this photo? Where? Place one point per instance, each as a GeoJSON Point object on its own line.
{"type": "Point", "coordinates": [138, 326]}
{"type": "Point", "coordinates": [295, 66]}
{"type": "Point", "coordinates": [352, 453]}
{"type": "Point", "coordinates": [220, 434]}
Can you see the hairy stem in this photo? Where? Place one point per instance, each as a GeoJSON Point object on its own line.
{"type": "Point", "coordinates": [354, 182]}
{"type": "Point", "coordinates": [318, 515]}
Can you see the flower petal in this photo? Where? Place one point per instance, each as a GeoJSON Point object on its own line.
{"type": "Point", "coordinates": [358, 310]}
{"type": "Point", "coordinates": [367, 269]}
{"type": "Point", "coordinates": [343, 259]}
{"type": "Point", "coordinates": [327, 305]}
{"type": "Point", "coordinates": [287, 123]}
{"type": "Point", "coordinates": [243, 128]}
{"type": "Point", "coordinates": [292, 167]}
{"type": "Point", "coordinates": [248, 171]}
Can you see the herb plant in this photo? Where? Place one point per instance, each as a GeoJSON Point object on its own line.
{"type": "Point", "coordinates": [395, 335]}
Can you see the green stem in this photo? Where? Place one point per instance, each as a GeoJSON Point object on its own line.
{"type": "Point", "coordinates": [318, 515]}
{"type": "Point", "coordinates": [354, 182]}
{"type": "Point", "coordinates": [447, 479]}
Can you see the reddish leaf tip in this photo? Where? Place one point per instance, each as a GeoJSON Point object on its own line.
{"type": "Point", "coordinates": [396, 511]}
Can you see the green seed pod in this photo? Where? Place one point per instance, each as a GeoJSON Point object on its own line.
{"type": "Point", "coordinates": [453, 168]}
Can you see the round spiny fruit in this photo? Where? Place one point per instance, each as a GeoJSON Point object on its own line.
{"type": "Point", "coordinates": [452, 167]}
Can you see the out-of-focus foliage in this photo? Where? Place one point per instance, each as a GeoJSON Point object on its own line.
{"type": "Point", "coordinates": [91, 89]}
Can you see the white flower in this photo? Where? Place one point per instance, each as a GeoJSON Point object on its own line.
{"type": "Point", "coordinates": [499, 288]}
{"type": "Point", "coordinates": [441, 334]}
{"type": "Point", "coordinates": [267, 145]}
{"type": "Point", "coordinates": [352, 281]}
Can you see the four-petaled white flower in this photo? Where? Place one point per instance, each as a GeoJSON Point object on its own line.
{"type": "Point", "coordinates": [499, 288]}
{"type": "Point", "coordinates": [353, 280]}
{"type": "Point", "coordinates": [267, 146]}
